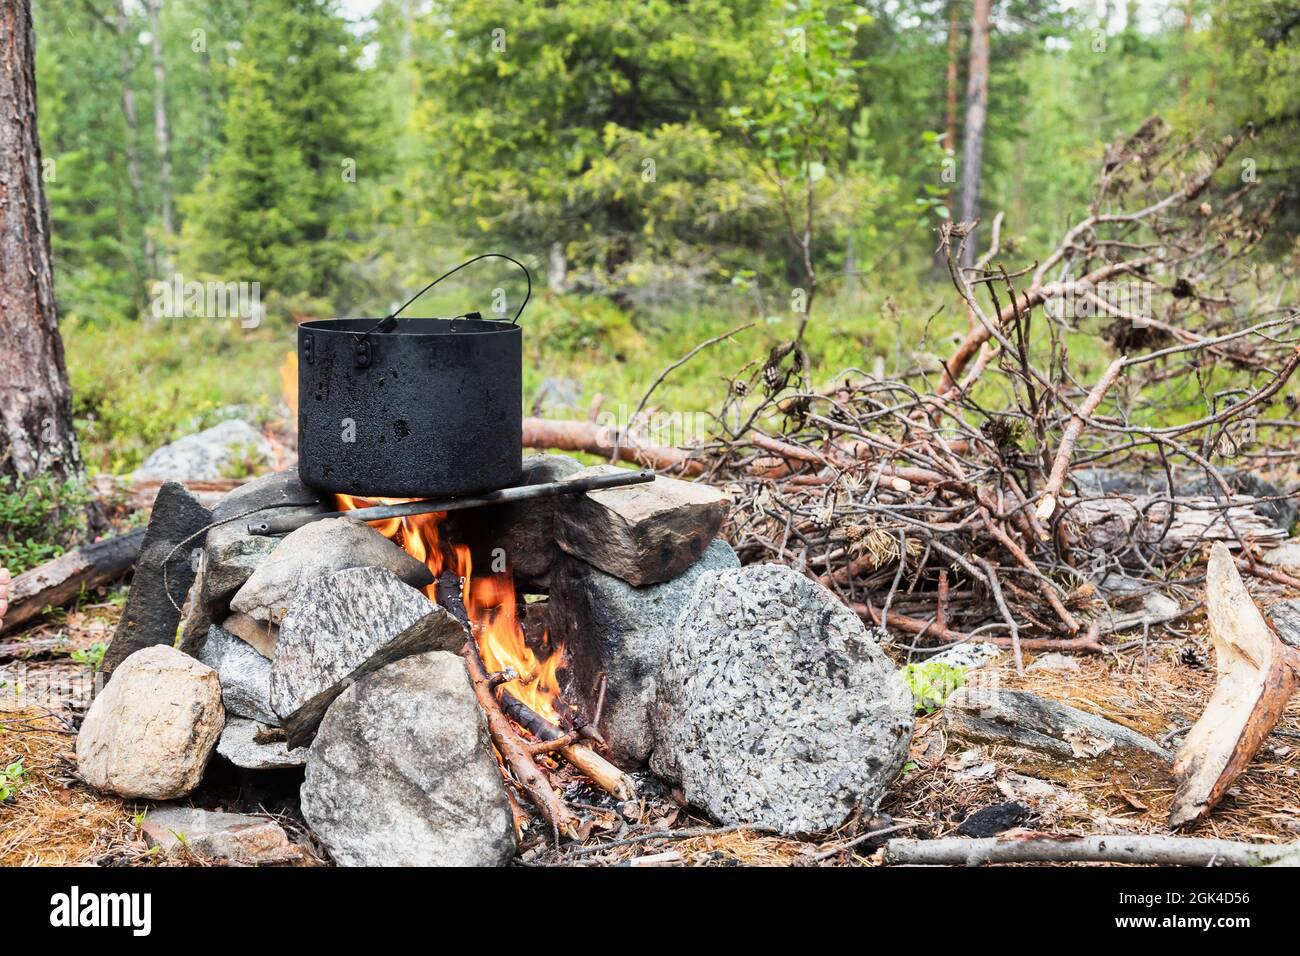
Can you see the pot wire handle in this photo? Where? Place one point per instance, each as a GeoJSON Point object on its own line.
{"type": "Point", "coordinates": [389, 322]}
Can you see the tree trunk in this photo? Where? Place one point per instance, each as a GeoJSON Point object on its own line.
{"type": "Point", "coordinates": [977, 103]}
{"type": "Point", "coordinates": [161, 129]}
{"type": "Point", "coordinates": [122, 25]}
{"type": "Point", "coordinates": [36, 433]}
{"type": "Point", "coordinates": [954, 55]}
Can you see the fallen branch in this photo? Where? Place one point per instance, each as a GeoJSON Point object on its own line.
{"type": "Point", "coordinates": [57, 582]}
{"type": "Point", "coordinates": [546, 433]}
{"type": "Point", "coordinates": [1149, 850]}
{"type": "Point", "coordinates": [1256, 676]}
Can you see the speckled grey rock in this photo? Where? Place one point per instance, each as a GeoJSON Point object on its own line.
{"type": "Point", "coordinates": [340, 627]}
{"type": "Point", "coordinates": [245, 675]}
{"type": "Point", "coordinates": [240, 745]}
{"type": "Point", "coordinates": [232, 554]}
{"type": "Point", "coordinates": [314, 550]}
{"type": "Point", "coordinates": [151, 730]}
{"type": "Point", "coordinates": [402, 773]}
{"type": "Point", "coordinates": [775, 707]}
{"type": "Point", "coordinates": [622, 632]}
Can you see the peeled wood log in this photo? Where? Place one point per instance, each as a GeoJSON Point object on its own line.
{"type": "Point", "coordinates": [57, 582]}
{"type": "Point", "coordinates": [544, 433]}
{"type": "Point", "coordinates": [1150, 850]}
{"type": "Point", "coordinates": [1257, 674]}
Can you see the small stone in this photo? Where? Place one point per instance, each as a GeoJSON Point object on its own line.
{"type": "Point", "coordinates": [245, 675]}
{"type": "Point", "coordinates": [153, 727]}
{"type": "Point", "coordinates": [623, 632]}
{"type": "Point", "coordinates": [774, 706]}
{"type": "Point", "coordinates": [402, 773]}
{"type": "Point", "coordinates": [969, 654]}
{"type": "Point", "coordinates": [237, 837]}
{"type": "Point", "coordinates": [643, 534]}
{"type": "Point", "coordinates": [340, 627]}
{"type": "Point", "coordinates": [209, 454]}
{"type": "Point", "coordinates": [1054, 662]}
{"type": "Point", "coordinates": [240, 745]}
{"type": "Point", "coordinates": [990, 821]}
{"type": "Point", "coordinates": [314, 550]}
{"type": "Point", "coordinates": [150, 616]}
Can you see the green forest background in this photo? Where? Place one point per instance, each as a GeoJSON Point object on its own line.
{"type": "Point", "coordinates": [651, 162]}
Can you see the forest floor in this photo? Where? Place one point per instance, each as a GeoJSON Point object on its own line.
{"type": "Point", "coordinates": [53, 819]}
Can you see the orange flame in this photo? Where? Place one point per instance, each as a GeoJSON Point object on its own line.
{"type": "Point", "coordinates": [289, 383]}
{"type": "Point", "coordinates": [490, 601]}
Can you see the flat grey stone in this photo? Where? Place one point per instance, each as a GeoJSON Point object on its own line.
{"type": "Point", "coordinates": [1053, 739]}
{"type": "Point", "coordinates": [775, 707]}
{"type": "Point", "coordinates": [209, 454]}
{"type": "Point", "coordinates": [245, 675]}
{"type": "Point", "coordinates": [240, 745]}
{"type": "Point", "coordinates": [402, 773]}
{"type": "Point", "coordinates": [315, 550]}
{"type": "Point", "coordinates": [613, 629]}
{"type": "Point", "coordinates": [644, 534]}
{"type": "Point", "coordinates": [150, 616]}
{"type": "Point", "coordinates": [238, 837]}
{"type": "Point", "coordinates": [968, 654]}
{"type": "Point", "coordinates": [340, 627]}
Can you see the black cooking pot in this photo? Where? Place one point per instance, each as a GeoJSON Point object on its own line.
{"type": "Point", "coordinates": [415, 408]}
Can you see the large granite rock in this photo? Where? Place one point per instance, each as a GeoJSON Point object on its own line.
{"type": "Point", "coordinates": [315, 550]}
{"type": "Point", "coordinates": [401, 772]}
{"type": "Point", "coordinates": [613, 629]}
{"type": "Point", "coordinates": [643, 534]}
{"type": "Point", "coordinates": [775, 707]}
{"type": "Point", "coordinates": [209, 454]}
{"type": "Point", "coordinates": [150, 616]}
{"type": "Point", "coordinates": [248, 744]}
{"type": "Point", "coordinates": [523, 531]}
{"type": "Point", "coordinates": [340, 627]}
{"type": "Point", "coordinates": [151, 730]}
{"type": "Point", "coordinates": [237, 837]}
{"type": "Point", "coordinates": [245, 675]}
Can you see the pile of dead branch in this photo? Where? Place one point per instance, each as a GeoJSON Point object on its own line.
{"type": "Point", "coordinates": [987, 497]}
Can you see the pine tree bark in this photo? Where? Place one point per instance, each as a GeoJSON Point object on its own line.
{"type": "Point", "coordinates": [977, 103]}
{"type": "Point", "coordinates": [36, 435]}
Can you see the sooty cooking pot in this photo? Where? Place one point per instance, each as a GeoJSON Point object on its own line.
{"type": "Point", "coordinates": [415, 408]}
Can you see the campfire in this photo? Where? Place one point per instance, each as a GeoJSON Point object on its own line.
{"type": "Point", "coordinates": [492, 606]}
{"type": "Point", "coordinates": [515, 680]}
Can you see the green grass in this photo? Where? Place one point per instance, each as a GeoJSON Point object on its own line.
{"type": "Point", "coordinates": [137, 386]}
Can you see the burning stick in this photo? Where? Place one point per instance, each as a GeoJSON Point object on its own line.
{"type": "Point", "coordinates": [501, 708]}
